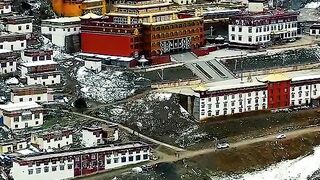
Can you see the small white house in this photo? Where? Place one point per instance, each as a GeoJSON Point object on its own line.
{"type": "Point", "coordinates": [47, 141]}
{"type": "Point", "coordinates": [12, 145]}
{"type": "Point", "coordinates": [33, 55]}
{"type": "Point", "coordinates": [13, 41]}
{"type": "Point", "coordinates": [41, 72]}
{"type": "Point", "coordinates": [314, 30]}
{"type": "Point", "coordinates": [93, 64]}
{"type": "Point", "coordinates": [8, 61]}
{"type": "Point", "coordinates": [58, 29]}
{"type": "Point", "coordinates": [36, 93]}
{"type": "Point", "coordinates": [21, 115]}
{"type": "Point", "coordinates": [91, 136]}
{"type": "Point", "coordinates": [17, 24]}
{"type": "Point", "coordinates": [5, 7]}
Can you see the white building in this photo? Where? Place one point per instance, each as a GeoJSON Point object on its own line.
{"type": "Point", "coordinates": [33, 55]}
{"type": "Point", "coordinates": [93, 64]}
{"type": "Point", "coordinates": [78, 162]}
{"type": "Point", "coordinates": [52, 140]}
{"type": "Point", "coordinates": [275, 91]}
{"type": "Point", "coordinates": [314, 30]}
{"type": "Point", "coordinates": [5, 6]}
{"type": "Point", "coordinates": [94, 136]}
{"type": "Point", "coordinates": [12, 145]}
{"type": "Point", "coordinates": [41, 72]}
{"type": "Point", "coordinates": [8, 61]}
{"type": "Point", "coordinates": [37, 93]}
{"type": "Point", "coordinates": [257, 29]}
{"type": "Point", "coordinates": [21, 115]}
{"type": "Point", "coordinates": [13, 41]}
{"type": "Point", "coordinates": [58, 29]}
{"type": "Point", "coordinates": [17, 24]}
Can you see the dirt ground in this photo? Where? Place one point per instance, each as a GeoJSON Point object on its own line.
{"type": "Point", "coordinates": [258, 155]}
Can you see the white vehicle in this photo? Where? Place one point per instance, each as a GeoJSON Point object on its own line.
{"type": "Point", "coordinates": [281, 136]}
{"type": "Point", "coordinates": [222, 145]}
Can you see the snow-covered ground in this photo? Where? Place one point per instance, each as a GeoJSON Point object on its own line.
{"type": "Point", "coordinates": [106, 86]}
{"type": "Point", "coordinates": [300, 168]}
{"type": "Point", "coordinates": [312, 5]}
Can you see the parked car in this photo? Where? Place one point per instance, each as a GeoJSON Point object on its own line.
{"type": "Point", "coordinates": [281, 136]}
{"type": "Point", "coordinates": [223, 146]}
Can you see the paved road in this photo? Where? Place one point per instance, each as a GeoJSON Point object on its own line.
{"type": "Point", "coordinates": [190, 154]}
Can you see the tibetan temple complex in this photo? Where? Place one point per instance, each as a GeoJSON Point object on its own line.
{"type": "Point", "coordinates": [135, 28]}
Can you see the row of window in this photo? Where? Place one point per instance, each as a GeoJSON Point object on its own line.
{"type": "Point", "coordinates": [273, 27]}
{"type": "Point", "coordinates": [225, 111]}
{"type": "Point", "coordinates": [239, 95]}
{"type": "Point", "coordinates": [225, 104]}
{"type": "Point", "coordinates": [26, 125]}
{"type": "Point", "coordinates": [30, 99]}
{"type": "Point", "coordinates": [130, 159]}
{"type": "Point", "coordinates": [26, 118]}
{"type": "Point", "coordinates": [306, 94]}
{"type": "Point", "coordinates": [12, 46]}
{"type": "Point", "coordinates": [46, 169]}
{"type": "Point", "coordinates": [66, 29]}
{"type": "Point", "coordinates": [20, 27]}
{"type": "Point", "coordinates": [3, 65]}
{"type": "Point", "coordinates": [41, 58]}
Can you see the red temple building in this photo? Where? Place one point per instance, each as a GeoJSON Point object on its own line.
{"type": "Point", "coordinates": [135, 28]}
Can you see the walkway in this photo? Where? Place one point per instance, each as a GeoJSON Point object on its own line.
{"type": "Point", "coordinates": [191, 154]}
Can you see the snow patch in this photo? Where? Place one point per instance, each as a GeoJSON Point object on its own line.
{"type": "Point", "coordinates": [312, 5]}
{"type": "Point", "coordinates": [300, 168]}
{"type": "Point", "coordinates": [160, 96]}
{"type": "Point", "coordinates": [12, 81]}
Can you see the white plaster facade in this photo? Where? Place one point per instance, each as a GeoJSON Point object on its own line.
{"type": "Point", "coordinates": [40, 79]}
{"type": "Point", "coordinates": [89, 139]}
{"type": "Point", "coordinates": [233, 103]}
{"type": "Point", "coordinates": [116, 160]}
{"type": "Point", "coordinates": [24, 28]}
{"type": "Point", "coordinates": [17, 45]}
{"type": "Point", "coordinates": [9, 147]}
{"type": "Point", "coordinates": [55, 143]}
{"type": "Point", "coordinates": [8, 67]}
{"type": "Point", "coordinates": [58, 170]}
{"type": "Point", "coordinates": [6, 9]}
{"type": "Point", "coordinates": [57, 29]}
{"type": "Point", "coordinates": [94, 65]}
{"type": "Point", "coordinates": [21, 115]}
{"type": "Point", "coordinates": [262, 28]}
{"type": "Point", "coordinates": [27, 98]}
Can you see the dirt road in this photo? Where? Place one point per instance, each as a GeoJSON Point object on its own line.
{"type": "Point", "coordinates": [190, 154]}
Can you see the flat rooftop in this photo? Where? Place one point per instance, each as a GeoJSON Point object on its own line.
{"type": "Point", "coordinates": [115, 147]}
{"type": "Point", "coordinates": [63, 20]}
{"type": "Point", "coordinates": [20, 106]}
{"type": "Point", "coordinates": [39, 63]}
{"type": "Point", "coordinates": [119, 58]}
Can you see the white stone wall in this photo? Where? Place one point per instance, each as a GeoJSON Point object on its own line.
{"type": "Point", "coordinates": [59, 34]}
{"type": "Point", "coordinates": [5, 9]}
{"type": "Point", "coordinates": [233, 103]}
{"type": "Point", "coordinates": [93, 65]}
{"type": "Point", "coordinates": [314, 32]}
{"type": "Point", "coordinates": [115, 160]}
{"type": "Point", "coordinates": [29, 59]}
{"type": "Point", "coordinates": [51, 80]}
{"type": "Point", "coordinates": [300, 95]}
{"type": "Point", "coordinates": [89, 139]}
{"type": "Point", "coordinates": [9, 147]}
{"type": "Point", "coordinates": [58, 143]}
{"type": "Point", "coordinates": [33, 97]}
{"type": "Point", "coordinates": [17, 45]}
{"type": "Point", "coordinates": [38, 172]}
{"type": "Point", "coordinates": [20, 28]}
{"type": "Point", "coordinates": [261, 34]}
{"type": "Point", "coordinates": [21, 124]}
{"type": "Point", "coordinates": [8, 68]}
